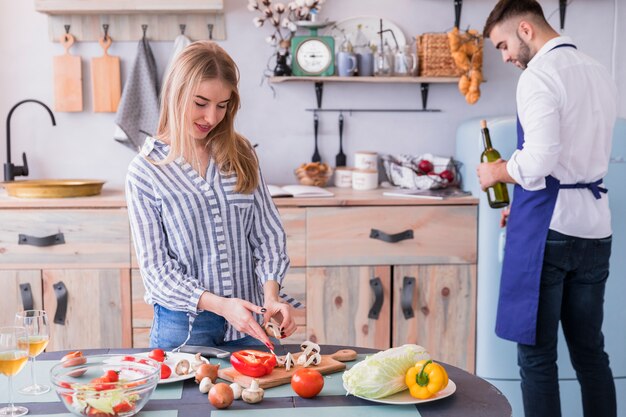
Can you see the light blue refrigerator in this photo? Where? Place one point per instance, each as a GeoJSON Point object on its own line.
{"type": "Point", "coordinates": [496, 359]}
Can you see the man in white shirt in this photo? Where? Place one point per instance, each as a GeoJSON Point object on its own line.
{"type": "Point", "coordinates": [559, 229]}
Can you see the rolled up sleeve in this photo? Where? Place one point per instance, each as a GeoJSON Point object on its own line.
{"type": "Point", "coordinates": [538, 110]}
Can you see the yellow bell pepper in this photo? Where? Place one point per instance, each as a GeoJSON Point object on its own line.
{"type": "Point", "coordinates": [426, 379]}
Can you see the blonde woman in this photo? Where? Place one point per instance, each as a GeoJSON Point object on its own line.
{"type": "Point", "coordinates": [208, 237]}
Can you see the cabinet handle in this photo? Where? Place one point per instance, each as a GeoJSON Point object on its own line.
{"type": "Point", "coordinates": [406, 301]}
{"type": "Point", "coordinates": [60, 291]}
{"type": "Point", "coordinates": [385, 237]}
{"type": "Point", "coordinates": [27, 297]}
{"type": "Point", "coordinates": [51, 240]}
{"type": "Point", "coordinates": [377, 287]}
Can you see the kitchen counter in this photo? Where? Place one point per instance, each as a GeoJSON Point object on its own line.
{"type": "Point", "coordinates": [112, 198]}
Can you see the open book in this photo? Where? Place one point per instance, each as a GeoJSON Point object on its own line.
{"type": "Point", "coordinates": [298, 191]}
{"type": "Point", "coordinates": [439, 194]}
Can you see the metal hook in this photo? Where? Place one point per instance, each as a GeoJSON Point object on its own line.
{"type": "Point", "coordinates": [210, 26]}
{"type": "Point", "coordinates": [144, 28]}
{"type": "Point", "coordinates": [105, 27]}
{"type": "Point", "coordinates": [182, 28]}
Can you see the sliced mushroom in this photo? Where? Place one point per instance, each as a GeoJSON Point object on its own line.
{"type": "Point", "coordinates": [314, 359]}
{"type": "Point", "coordinates": [272, 329]}
{"type": "Point", "coordinates": [301, 359]}
{"type": "Point", "coordinates": [289, 362]}
{"type": "Point", "coordinates": [309, 347]}
{"type": "Point", "coordinates": [182, 367]}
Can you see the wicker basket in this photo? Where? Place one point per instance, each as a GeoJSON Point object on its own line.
{"type": "Point", "coordinates": [434, 56]}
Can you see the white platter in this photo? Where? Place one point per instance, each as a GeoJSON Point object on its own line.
{"type": "Point", "coordinates": [171, 361]}
{"type": "Point", "coordinates": [404, 397]}
{"type": "Point", "coordinates": [370, 26]}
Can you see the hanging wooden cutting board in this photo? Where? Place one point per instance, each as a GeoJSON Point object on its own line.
{"type": "Point", "coordinates": [279, 376]}
{"type": "Point", "coordinates": [68, 79]}
{"type": "Point", "coordinates": [105, 79]}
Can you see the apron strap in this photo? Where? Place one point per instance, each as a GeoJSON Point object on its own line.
{"type": "Point", "coordinates": [593, 186]}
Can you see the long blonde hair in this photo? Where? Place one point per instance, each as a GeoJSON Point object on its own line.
{"type": "Point", "coordinates": [200, 61]}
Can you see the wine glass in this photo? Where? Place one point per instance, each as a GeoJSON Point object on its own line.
{"type": "Point", "coordinates": [13, 356]}
{"type": "Point", "coordinates": [36, 324]}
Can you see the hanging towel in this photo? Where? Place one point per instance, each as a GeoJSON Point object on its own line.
{"type": "Point", "coordinates": [180, 43]}
{"type": "Point", "coordinates": [138, 112]}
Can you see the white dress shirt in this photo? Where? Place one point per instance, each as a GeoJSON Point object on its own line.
{"type": "Point", "coordinates": [567, 106]}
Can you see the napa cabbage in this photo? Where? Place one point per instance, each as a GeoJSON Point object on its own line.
{"type": "Point", "coordinates": [382, 374]}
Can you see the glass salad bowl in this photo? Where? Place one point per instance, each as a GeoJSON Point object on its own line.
{"type": "Point", "coordinates": [105, 385]}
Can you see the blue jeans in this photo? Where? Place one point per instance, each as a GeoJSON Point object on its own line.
{"type": "Point", "coordinates": [573, 279]}
{"type": "Point", "coordinates": [170, 329]}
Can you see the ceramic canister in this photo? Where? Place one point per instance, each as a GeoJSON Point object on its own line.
{"type": "Point", "coordinates": [364, 179]}
{"type": "Point", "coordinates": [343, 177]}
{"type": "Point", "coordinates": [366, 160]}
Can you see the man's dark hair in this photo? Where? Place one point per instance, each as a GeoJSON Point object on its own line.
{"type": "Point", "coordinates": [506, 9]}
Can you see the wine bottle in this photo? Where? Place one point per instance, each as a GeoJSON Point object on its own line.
{"type": "Point", "coordinates": [497, 194]}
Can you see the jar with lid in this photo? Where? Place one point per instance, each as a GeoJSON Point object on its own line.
{"type": "Point", "coordinates": [364, 55]}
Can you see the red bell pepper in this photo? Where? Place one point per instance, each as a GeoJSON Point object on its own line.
{"type": "Point", "coordinates": [253, 363]}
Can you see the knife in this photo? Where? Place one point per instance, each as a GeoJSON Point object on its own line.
{"type": "Point", "coordinates": [206, 351]}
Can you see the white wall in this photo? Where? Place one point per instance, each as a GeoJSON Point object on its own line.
{"type": "Point", "coordinates": [81, 145]}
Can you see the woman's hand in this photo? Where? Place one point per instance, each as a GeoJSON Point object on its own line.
{"type": "Point", "coordinates": [283, 314]}
{"type": "Point", "coordinates": [239, 313]}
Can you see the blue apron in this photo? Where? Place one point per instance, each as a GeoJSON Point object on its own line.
{"type": "Point", "coordinates": [527, 230]}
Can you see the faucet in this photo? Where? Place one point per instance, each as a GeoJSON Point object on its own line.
{"type": "Point", "coordinates": [11, 171]}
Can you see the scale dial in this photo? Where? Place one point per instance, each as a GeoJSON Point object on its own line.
{"type": "Point", "coordinates": [314, 56]}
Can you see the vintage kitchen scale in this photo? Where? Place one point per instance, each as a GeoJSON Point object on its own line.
{"type": "Point", "coordinates": [313, 55]}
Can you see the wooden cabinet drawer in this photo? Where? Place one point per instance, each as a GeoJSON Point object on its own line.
{"type": "Point", "coordinates": [294, 222]}
{"type": "Point", "coordinates": [338, 236]}
{"type": "Point", "coordinates": [91, 238]}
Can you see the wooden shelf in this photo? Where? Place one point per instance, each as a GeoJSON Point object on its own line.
{"type": "Point", "coordinates": [203, 19]}
{"type": "Point", "coordinates": [424, 83]}
{"type": "Point", "coordinates": [127, 6]}
{"type": "Point", "coordinates": [371, 80]}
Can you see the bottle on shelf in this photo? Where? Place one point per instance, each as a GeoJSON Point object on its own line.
{"type": "Point", "coordinates": [497, 194]}
{"type": "Point", "coordinates": [364, 55]}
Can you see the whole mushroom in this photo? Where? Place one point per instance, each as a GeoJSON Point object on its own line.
{"type": "Point", "coordinates": [253, 394]}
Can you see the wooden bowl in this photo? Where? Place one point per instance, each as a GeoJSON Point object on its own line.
{"type": "Point", "coordinates": [53, 188]}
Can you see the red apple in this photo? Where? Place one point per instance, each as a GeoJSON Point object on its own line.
{"type": "Point", "coordinates": [447, 175]}
{"type": "Point", "coordinates": [425, 166]}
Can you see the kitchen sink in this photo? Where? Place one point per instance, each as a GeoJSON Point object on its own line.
{"type": "Point", "coordinates": [53, 188]}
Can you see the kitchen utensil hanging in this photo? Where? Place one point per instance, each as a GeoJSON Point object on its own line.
{"type": "Point", "coordinates": [340, 158]}
{"type": "Point", "coordinates": [316, 153]}
{"type": "Point", "coordinates": [68, 79]}
{"type": "Point", "coordinates": [105, 77]}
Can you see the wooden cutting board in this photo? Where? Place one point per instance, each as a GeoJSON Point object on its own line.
{"type": "Point", "coordinates": [105, 80]}
{"type": "Point", "coordinates": [279, 376]}
{"type": "Point", "coordinates": [68, 79]}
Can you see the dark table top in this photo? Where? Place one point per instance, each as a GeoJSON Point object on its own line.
{"type": "Point", "coordinates": [474, 397]}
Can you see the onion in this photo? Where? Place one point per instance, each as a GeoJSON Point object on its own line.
{"type": "Point", "coordinates": [221, 395]}
{"type": "Point", "coordinates": [207, 370]}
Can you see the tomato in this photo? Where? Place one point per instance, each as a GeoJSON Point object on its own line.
{"type": "Point", "coordinates": [67, 397]}
{"type": "Point", "coordinates": [425, 166]}
{"type": "Point", "coordinates": [157, 354]}
{"type": "Point", "coordinates": [253, 363]}
{"type": "Point", "coordinates": [447, 175]}
{"type": "Point", "coordinates": [102, 384]}
{"type": "Point", "coordinates": [123, 407]}
{"type": "Point", "coordinates": [112, 376]}
{"type": "Point", "coordinates": [307, 382]}
{"type": "Point", "coordinates": [165, 371]}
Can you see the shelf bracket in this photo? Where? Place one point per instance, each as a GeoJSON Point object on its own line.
{"type": "Point", "coordinates": [562, 9]}
{"type": "Point", "coordinates": [319, 92]}
{"type": "Point", "coordinates": [424, 88]}
{"type": "Point", "coordinates": [458, 5]}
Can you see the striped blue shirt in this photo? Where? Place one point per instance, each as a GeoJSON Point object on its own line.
{"type": "Point", "coordinates": [193, 235]}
